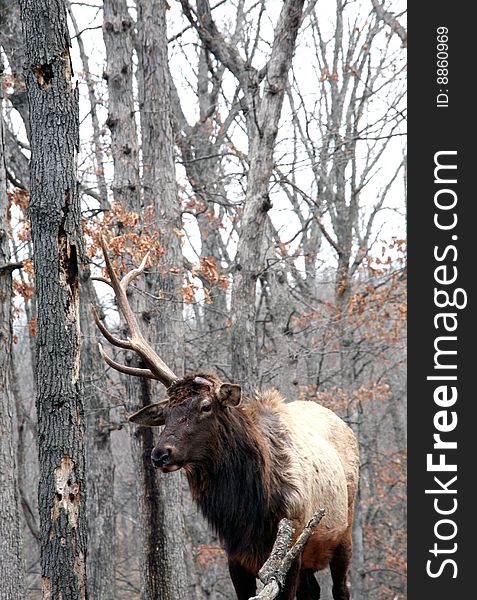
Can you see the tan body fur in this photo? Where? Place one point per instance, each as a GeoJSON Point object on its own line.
{"type": "Point", "coordinates": [323, 469]}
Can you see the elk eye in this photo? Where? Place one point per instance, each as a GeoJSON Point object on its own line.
{"type": "Point", "coordinates": [206, 407]}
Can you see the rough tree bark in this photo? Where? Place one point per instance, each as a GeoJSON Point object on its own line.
{"type": "Point", "coordinates": [12, 573]}
{"type": "Point", "coordinates": [118, 30]}
{"type": "Point", "coordinates": [57, 248]}
{"type": "Point", "coordinates": [161, 531]}
{"type": "Point", "coordinates": [167, 539]}
{"type": "Point", "coordinates": [100, 559]}
{"type": "Point", "coordinates": [117, 33]}
{"type": "Point", "coordinates": [159, 176]}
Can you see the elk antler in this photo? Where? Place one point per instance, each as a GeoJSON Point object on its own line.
{"type": "Point", "coordinates": [157, 368]}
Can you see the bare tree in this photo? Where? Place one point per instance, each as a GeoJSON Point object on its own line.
{"type": "Point", "coordinates": [160, 193]}
{"type": "Point", "coordinates": [57, 242]}
{"type": "Point", "coordinates": [161, 531]}
{"type": "Point", "coordinates": [12, 573]}
{"type": "Point", "coordinates": [263, 114]}
{"type": "Point", "coordinates": [100, 471]}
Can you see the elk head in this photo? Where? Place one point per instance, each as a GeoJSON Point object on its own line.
{"type": "Point", "coordinates": [191, 416]}
{"type": "Point", "coordinates": [194, 403]}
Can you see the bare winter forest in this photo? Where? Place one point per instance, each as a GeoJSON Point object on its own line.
{"type": "Point", "coordinates": [256, 149]}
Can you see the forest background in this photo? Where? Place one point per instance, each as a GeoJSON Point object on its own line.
{"type": "Point", "coordinates": [257, 150]}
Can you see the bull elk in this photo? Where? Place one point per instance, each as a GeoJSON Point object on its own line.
{"type": "Point", "coordinates": [250, 463]}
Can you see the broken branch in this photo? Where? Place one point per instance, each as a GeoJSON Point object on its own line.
{"type": "Point", "coordinates": [274, 571]}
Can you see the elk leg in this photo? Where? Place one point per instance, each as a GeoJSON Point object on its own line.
{"type": "Point", "coordinates": [339, 566]}
{"type": "Point", "coordinates": [308, 588]}
{"type": "Point", "coordinates": [244, 582]}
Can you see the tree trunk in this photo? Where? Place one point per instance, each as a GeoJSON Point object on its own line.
{"type": "Point", "coordinates": [160, 532]}
{"type": "Point", "coordinates": [57, 248]}
{"type": "Point", "coordinates": [166, 567]}
{"type": "Point", "coordinates": [117, 34]}
{"type": "Point", "coordinates": [250, 259]}
{"type": "Point", "coordinates": [12, 44]}
{"type": "Point", "coordinates": [345, 341]}
{"type": "Point", "coordinates": [12, 572]}
{"type": "Point", "coordinates": [100, 560]}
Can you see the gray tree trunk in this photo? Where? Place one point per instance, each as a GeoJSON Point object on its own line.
{"type": "Point", "coordinates": [118, 39]}
{"type": "Point", "coordinates": [346, 348]}
{"type": "Point", "coordinates": [100, 560]}
{"type": "Point", "coordinates": [12, 571]}
{"type": "Point", "coordinates": [250, 259]}
{"type": "Point", "coordinates": [166, 567]}
{"type": "Point", "coordinates": [12, 44]}
{"type": "Point", "coordinates": [160, 531]}
{"type": "Point", "coordinates": [57, 248]}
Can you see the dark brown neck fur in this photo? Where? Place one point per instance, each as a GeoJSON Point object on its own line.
{"type": "Point", "coordinates": [232, 489]}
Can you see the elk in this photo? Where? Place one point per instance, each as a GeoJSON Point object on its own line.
{"type": "Point", "coordinates": [250, 462]}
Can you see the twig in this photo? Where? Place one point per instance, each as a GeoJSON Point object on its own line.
{"type": "Point", "coordinates": [275, 569]}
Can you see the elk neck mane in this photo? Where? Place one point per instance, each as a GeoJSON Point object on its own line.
{"type": "Point", "coordinates": [241, 487]}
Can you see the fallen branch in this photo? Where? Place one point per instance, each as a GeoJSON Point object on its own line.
{"type": "Point", "coordinates": [274, 571]}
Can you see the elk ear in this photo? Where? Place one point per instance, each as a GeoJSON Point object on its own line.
{"type": "Point", "coordinates": [230, 394]}
{"type": "Point", "coordinates": [150, 416]}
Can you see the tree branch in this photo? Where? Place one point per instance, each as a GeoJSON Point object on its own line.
{"type": "Point", "coordinates": [213, 40]}
{"type": "Point", "coordinates": [390, 19]}
{"type": "Point", "coordinates": [275, 569]}
{"type": "Point", "coordinates": [9, 267]}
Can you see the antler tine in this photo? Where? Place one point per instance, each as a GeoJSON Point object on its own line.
{"type": "Point", "coordinates": [133, 273]}
{"type": "Point", "coordinates": [157, 367]}
{"type": "Point", "coordinates": [137, 372]}
{"type": "Point", "coordinates": [112, 339]}
{"type": "Point", "coordinates": [120, 292]}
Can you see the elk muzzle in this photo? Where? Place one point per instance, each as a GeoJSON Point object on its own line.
{"type": "Point", "coordinates": [163, 457]}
